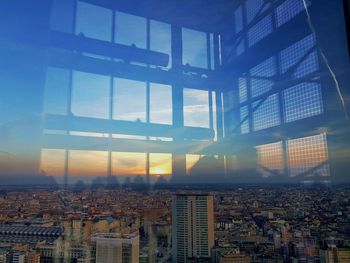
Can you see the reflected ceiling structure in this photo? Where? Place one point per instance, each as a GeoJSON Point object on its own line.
{"type": "Point", "coordinates": [146, 89]}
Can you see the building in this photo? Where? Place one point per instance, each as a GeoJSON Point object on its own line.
{"type": "Point", "coordinates": [228, 254]}
{"type": "Point", "coordinates": [33, 257]}
{"type": "Point", "coordinates": [193, 226]}
{"type": "Point", "coordinates": [18, 257]}
{"type": "Point", "coordinates": [342, 255]}
{"type": "Point", "coordinates": [116, 247]}
{"type": "Point", "coordinates": [335, 255]}
{"type": "Point", "coordinates": [326, 256]}
{"type": "Point", "coordinates": [4, 255]}
{"type": "Point", "coordinates": [29, 234]}
{"type": "Point", "coordinates": [235, 258]}
{"type": "Point", "coordinates": [61, 252]}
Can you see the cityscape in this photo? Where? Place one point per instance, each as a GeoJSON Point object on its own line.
{"type": "Point", "coordinates": [174, 131]}
{"type": "Point", "coordinates": [235, 224]}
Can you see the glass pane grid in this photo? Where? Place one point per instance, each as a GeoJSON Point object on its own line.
{"type": "Point", "coordinates": [194, 48]}
{"type": "Point", "coordinates": [266, 69]}
{"type": "Point", "coordinates": [260, 30]}
{"type": "Point", "coordinates": [240, 48]}
{"type": "Point", "coordinates": [93, 21]}
{"type": "Point", "coordinates": [245, 124]}
{"type": "Point", "coordinates": [287, 10]}
{"type": "Point", "coordinates": [302, 101]}
{"type": "Point", "coordinates": [267, 114]}
{"type": "Point", "coordinates": [196, 108]}
{"type": "Point", "coordinates": [242, 83]}
{"type": "Point", "coordinates": [252, 9]}
{"type": "Point", "coordinates": [238, 19]}
{"type": "Point", "coordinates": [270, 156]}
{"type": "Point", "coordinates": [293, 56]}
{"type": "Point", "coordinates": [305, 154]}
{"type": "Point", "coordinates": [309, 65]}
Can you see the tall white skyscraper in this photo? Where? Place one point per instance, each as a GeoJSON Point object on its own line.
{"type": "Point", "coordinates": [193, 226]}
{"type": "Point", "coordinates": [115, 247]}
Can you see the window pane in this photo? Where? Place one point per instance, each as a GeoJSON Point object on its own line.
{"type": "Point", "coordinates": [242, 89]}
{"type": "Point", "coordinates": [56, 91]}
{"type": "Point", "coordinates": [191, 160]}
{"type": "Point", "coordinates": [94, 21]}
{"type": "Point", "coordinates": [253, 8]}
{"type": "Point", "coordinates": [130, 30]}
{"type": "Point", "coordinates": [128, 163]}
{"type": "Point", "coordinates": [300, 59]}
{"type": "Point", "coordinates": [62, 16]}
{"type": "Point", "coordinates": [160, 164]}
{"type": "Point", "coordinates": [260, 30]}
{"type": "Point", "coordinates": [308, 156]}
{"type": "Point", "coordinates": [289, 9]}
{"type": "Point", "coordinates": [270, 158]}
{"type": "Point", "coordinates": [267, 114]}
{"type": "Point", "coordinates": [238, 19]}
{"type": "Point", "coordinates": [160, 38]}
{"type": "Point", "coordinates": [90, 95]}
{"type": "Point", "coordinates": [52, 162]}
{"type": "Point", "coordinates": [129, 100]}
{"type": "Point", "coordinates": [160, 104]}
{"type": "Point", "coordinates": [243, 111]}
{"type": "Point", "coordinates": [302, 101]}
{"type": "Point", "coordinates": [194, 48]}
{"type": "Point", "coordinates": [262, 77]}
{"type": "Point", "coordinates": [87, 163]}
{"type": "Point", "coordinates": [212, 55]}
{"type": "Point", "coordinates": [196, 108]}
{"type": "Point", "coordinates": [215, 127]}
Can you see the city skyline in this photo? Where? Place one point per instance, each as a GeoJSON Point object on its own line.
{"type": "Point", "coordinates": [238, 224]}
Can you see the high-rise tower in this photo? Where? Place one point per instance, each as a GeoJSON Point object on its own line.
{"type": "Point", "coordinates": [193, 226]}
{"type": "Point", "coordinates": [115, 247]}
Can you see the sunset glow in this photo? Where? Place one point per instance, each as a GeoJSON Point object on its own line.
{"type": "Point", "coordinates": [160, 164]}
